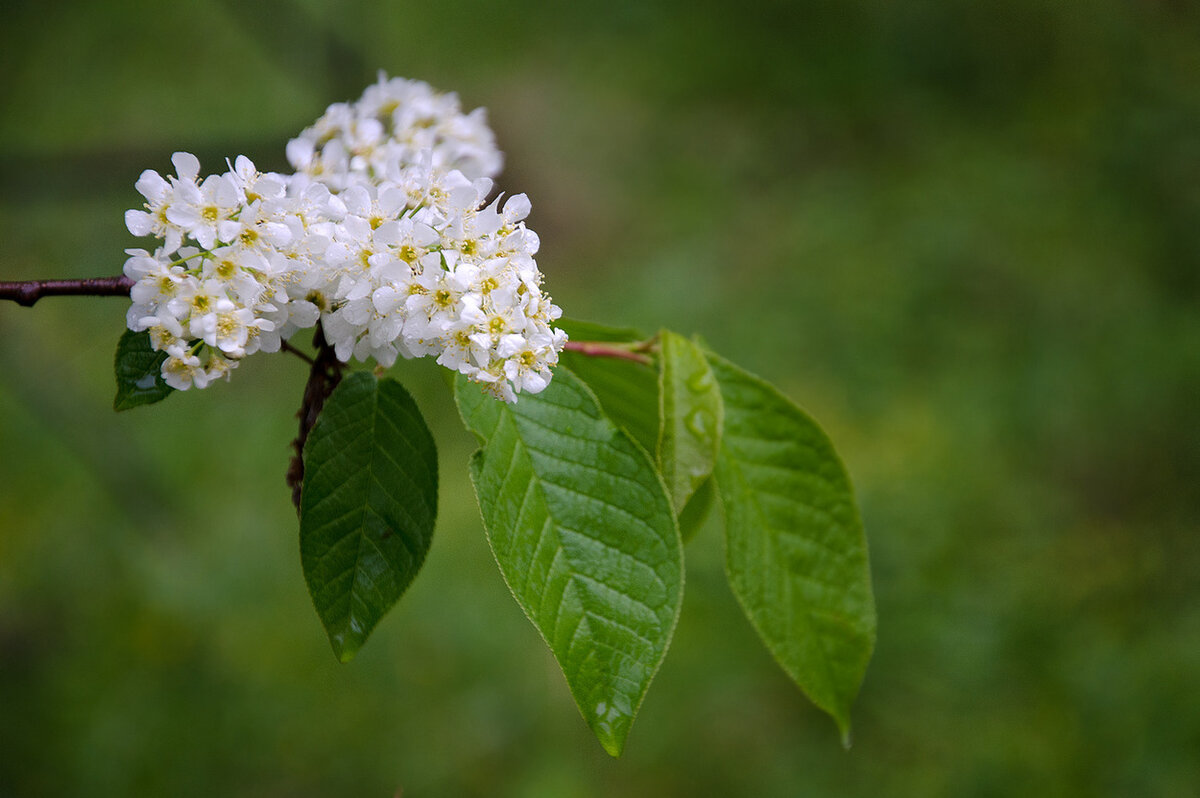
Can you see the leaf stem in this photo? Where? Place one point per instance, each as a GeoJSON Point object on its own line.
{"type": "Point", "coordinates": [26, 292]}
{"type": "Point", "coordinates": [634, 350]}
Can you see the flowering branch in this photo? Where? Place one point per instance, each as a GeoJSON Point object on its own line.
{"type": "Point", "coordinates": [26, 292]}
{"type": "Point", "coordinates": [383, 243]}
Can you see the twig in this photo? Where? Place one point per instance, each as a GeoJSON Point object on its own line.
{"type": "Point", "coordinates": [26, 292]}
{"type": "Point", "coordinates": [324, 376]}
{"type": "Point", "coordinates": [284, 346]}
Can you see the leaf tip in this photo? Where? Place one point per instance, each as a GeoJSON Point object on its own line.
{"type": "Point", "coordinates": [612, 745]}
{"type": "Point", "coordinates": [610, 723]}
{"type": "Point", "coordinates": [345, 648]}
{"type": "Point", "coordinates": [839, 711]}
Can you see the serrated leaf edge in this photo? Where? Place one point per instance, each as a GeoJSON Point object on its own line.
{"type": "Point", "coordinates": [343, 653]}
{"type": "Point", "coordinates": [842, 719]}
{"type": "Point", "coordinates": [616, 750]}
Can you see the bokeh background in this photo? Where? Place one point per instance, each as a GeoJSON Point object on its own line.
{"type": "Point", "coordinates": [964, 235]}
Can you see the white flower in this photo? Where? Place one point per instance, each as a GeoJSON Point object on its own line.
{"type": "Point", "coordinates": [200, 210]}
{"type": "Point", "coordinates": [161, 195]}
{"type": "Point", "coordinates": [381, 236]}
{"type": "Point", "coordinates": [254, 185]}
{"type": "Point", "coordinates": [391, 126]}
{"type": "Point", "coordinates": [183, 371]}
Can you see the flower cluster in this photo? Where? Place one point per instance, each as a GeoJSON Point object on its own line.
{"type": "Point", "coordinates": [383, 236]}
{"type": "Point", "coordinates": [395, 121]}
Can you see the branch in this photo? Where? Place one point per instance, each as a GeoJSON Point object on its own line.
{"type": "Point", "coordinates": [621, 351]}
{"type": "Point", "coordinates": [26, 292]}
{"type": "Point", "coordinates": [284, 346]}
{"type": "Point", "coordinates": [324, 376]}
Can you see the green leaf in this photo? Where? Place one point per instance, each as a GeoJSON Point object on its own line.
{"type": "Point", "coordinates": [627, 390]}
{"type": "Point", "coordinates": [367, 507]}
{"type": "Point", "coordinates": [139, 372]}
{"type": "Point", "coordinates": [584, 534]}
{"type": "Point", "coordinates": [696, 511]}
{"type": "Point", "coordinates": [796, 555]}
{"type": "Point", "coordinates": [590, 331]}
{"type": "Point", "coordinates": [691, 414]}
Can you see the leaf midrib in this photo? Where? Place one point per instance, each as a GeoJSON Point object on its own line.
{"type": "Point", "coordinates": [557, 528]}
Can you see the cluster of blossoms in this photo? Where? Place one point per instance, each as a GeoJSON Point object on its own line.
{"type": "Point", "coordinates": [382, 235]}
{"type": "Point", "coordinates": [395, 121]}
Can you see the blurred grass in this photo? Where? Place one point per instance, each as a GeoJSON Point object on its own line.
{"type": "Point", "coordinates": [964, 235]}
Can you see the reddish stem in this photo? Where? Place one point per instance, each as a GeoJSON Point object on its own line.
{"type": "Point", "coordinates": [601, 349]}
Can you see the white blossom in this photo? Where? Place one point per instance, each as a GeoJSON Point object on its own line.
{"type": "Point", "coordinates": [381, 235]}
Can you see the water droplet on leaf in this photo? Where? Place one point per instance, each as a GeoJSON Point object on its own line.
{"type": "Point", "coordinates": [699, 422]}
{"type": "Point", "coordinates": [700, 382]}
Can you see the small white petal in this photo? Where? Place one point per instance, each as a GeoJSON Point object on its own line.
{"type": "Point", "coordinates": [187, 166]}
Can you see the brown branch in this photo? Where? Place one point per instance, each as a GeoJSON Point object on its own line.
{"type": "Point", "coordinates": [324, 376]}
{"type": "Point", "coordinates": [284, 346]}
{"type": "Point", "coordinates": [26, 292]}
{"type": "Point", "coordinates": [601, 349]}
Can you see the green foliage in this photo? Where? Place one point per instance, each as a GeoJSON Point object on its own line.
{"type": "Point", "coordinates": [627, 389]}
{"type": "Point", "coordinates": [691, 417]}
{"type": "Point", "coordinates": [584, 534]}
{"type": "Point", "coordinates": [696, 511]}
{"type": "Point", "coordinates": [138, 368]}
{"type": "Point", "coordinates": [368, 506]}
{"type": "Point", "coordinates": [795, 550]}
{"type": "Point", "coordinates": [585, 524]}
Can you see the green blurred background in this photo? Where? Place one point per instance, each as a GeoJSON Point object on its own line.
{"type": "Point", "coordinates": [964, 235]}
